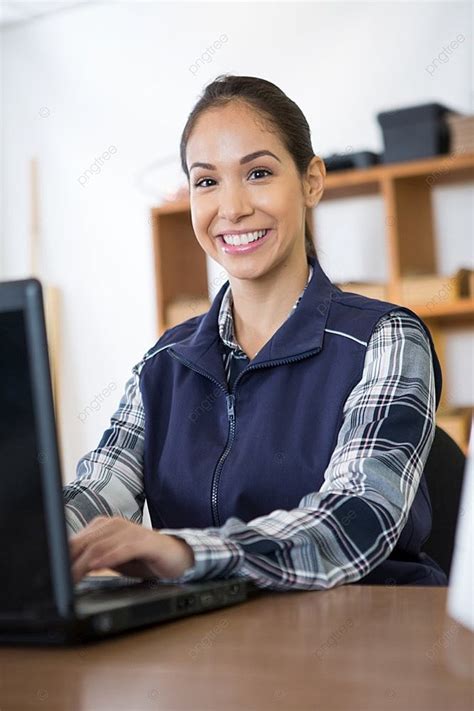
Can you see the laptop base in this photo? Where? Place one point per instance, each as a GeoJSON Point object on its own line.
{"type": "Point", "coordinates": [107, 613]}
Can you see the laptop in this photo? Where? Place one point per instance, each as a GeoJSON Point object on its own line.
{"type": "Point", "coordinates": [39, 603]}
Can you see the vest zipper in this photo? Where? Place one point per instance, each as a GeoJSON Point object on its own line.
{"type": "Point", "coordinates": [230, 400]}
{"type": "Point", "coordinates": [230, 397]}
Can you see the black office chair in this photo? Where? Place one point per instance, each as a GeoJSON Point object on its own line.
{"type": "Point", "coordinates": [444, 471]}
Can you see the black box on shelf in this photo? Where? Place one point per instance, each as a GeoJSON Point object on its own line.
{"type": "Point", "coordinates": [345, 161]}
{"type": "Point", "coordinates": [414, 132]}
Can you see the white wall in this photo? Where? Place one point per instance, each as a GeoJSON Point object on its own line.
{"type": "Point", "coordinates": [78, 82]}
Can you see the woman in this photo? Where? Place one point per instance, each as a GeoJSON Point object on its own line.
{"type": "Point", "coordinates": [281, 436]}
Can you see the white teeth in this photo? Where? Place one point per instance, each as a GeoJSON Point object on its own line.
{"type": "Point", "coordinates": [243, 238]}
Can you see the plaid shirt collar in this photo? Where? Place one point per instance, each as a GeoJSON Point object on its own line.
{"type": "Point", "coordinates": [226, 320]}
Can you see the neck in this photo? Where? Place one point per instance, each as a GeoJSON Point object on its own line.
{"type": "Point", "coordinates": [260, 306]}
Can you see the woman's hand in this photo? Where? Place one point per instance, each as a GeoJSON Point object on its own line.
{"type": "Point", "coordinates": [113, 542]}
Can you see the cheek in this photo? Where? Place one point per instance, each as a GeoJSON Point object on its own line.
{"type": "Point", "coordinates": [201, 212]}
{"type": "Point", "coordinates": [204, 223]}
{"type": "Point", "coordinates": [200, 223]}
{"type": "Point", "coordinates": [202, 227]}
{"type": "Point", "coordinates": [205, 243]}
{"type": "Point", "coordinates": [273, 200]}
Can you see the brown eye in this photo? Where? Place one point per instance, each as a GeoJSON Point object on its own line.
{"type": "Point", "coordinates": [199, 182]}
{"type": "Point", "coordinates": [260, 170]}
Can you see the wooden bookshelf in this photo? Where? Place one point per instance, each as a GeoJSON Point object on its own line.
{"type": "Point", "coordinates": [406, 191]}
{"type": "Point", "coordinates": [444, 169]}
{"type": "Point", "coordinates": [451, 314]}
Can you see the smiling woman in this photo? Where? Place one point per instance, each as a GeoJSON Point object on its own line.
{"type": "Point", "coordinates": [252, 175]}
{"type": "Point", "coordinates": [268, 114]}
{"type": "Point", "coordinates": [281, 436]}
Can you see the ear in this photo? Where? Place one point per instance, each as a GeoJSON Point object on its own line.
{"type": "Point", "coordinates": [314, 181]}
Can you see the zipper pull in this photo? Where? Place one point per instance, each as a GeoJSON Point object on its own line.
{"type": "Point", "coordinates": [230, 406]}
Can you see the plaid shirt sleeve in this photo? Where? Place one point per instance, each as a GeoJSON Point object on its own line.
{"type": "Point", "coordinates": [110, 478]}
{"type": "Point", "coordinates": [340, 533]}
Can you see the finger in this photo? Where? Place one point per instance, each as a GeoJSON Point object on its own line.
{"type": "Point", "coordinates": [97, 522]}
{"type": "Point", "coordinates": [113, 551]}
{"type": "Point", "coordinates": [96, 529]}
{"type": "Point", "coordinates": [93, 549]}
{"type": "Point", "coordinates": [94, 555]}
{"type": "Point", "coordinates": [93, 546]}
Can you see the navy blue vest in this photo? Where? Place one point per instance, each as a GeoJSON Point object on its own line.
{"type": "Point", "coordinates": [211, 454]}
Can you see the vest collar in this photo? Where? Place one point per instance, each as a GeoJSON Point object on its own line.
{"type": "Point", "coordinates": [303, 331]}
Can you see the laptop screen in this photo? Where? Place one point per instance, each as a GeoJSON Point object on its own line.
{"type": "Point", "coordinates": [24, 563]}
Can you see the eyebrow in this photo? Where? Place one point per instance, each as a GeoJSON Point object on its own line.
{"type": "Point", "coordinates": [245, 159]}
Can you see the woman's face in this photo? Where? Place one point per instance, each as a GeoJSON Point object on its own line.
{"type": "Point", "coordinates": [238, 192]}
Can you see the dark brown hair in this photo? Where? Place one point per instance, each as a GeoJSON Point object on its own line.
{"type": "Point", "coordinates": [271, 104]}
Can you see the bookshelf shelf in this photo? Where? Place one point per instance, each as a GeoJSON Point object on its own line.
{"type": "Point", "coordinates": [434, 171]}
{"type": "Point", "coordinates": [454, 313]}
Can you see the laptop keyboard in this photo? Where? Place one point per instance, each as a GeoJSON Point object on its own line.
{"type": "Point", "coordinates": [98, 583]}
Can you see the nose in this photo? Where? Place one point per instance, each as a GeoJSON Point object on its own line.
{"type": "Point", "coordinates": [234, 203]}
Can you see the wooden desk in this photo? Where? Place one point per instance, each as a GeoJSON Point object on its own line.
{"type": "Point", "coordinates": [350, 648]}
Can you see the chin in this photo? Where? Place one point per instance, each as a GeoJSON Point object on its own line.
{"type": "Point", "coordinates": [247, 271]}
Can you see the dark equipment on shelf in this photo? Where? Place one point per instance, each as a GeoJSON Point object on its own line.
{"type": "Point", "coordinates": [343, 161]}
{"type": "Point", "coordinates": [414, 132]}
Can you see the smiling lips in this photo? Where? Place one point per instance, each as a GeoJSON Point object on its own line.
{"type": "Point", "coordinates": [243, 242]}
{"type": "Point", "coordinates": [243, 237]}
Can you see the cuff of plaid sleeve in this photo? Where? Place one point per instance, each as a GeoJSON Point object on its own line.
{"type": "Point", "coordinates": [73, 525]}
{"type": "Point", "coordinates": [214, 557]}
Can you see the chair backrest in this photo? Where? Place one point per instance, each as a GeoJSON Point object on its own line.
{"type": "Point", "coordinates": [444, 472]}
